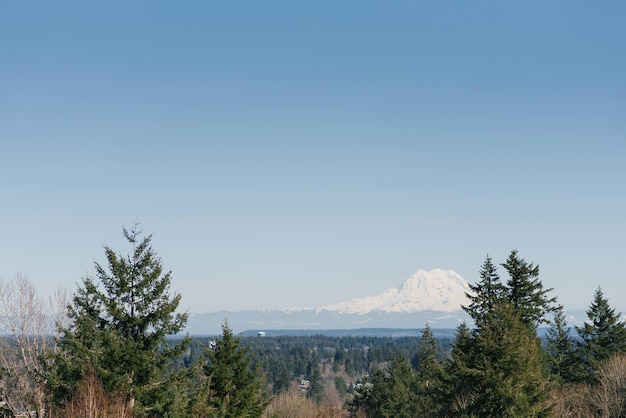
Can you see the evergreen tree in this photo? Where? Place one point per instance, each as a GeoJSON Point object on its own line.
{"type": "Point", "coordinates": [525, 291]}
{"type": "Point", "coordinates": [281, 378]}
{"type": "Point", "coordinates": [508, 356]}
{"type": "Point", "coordinates": [236, 388]}
{"type": "Point", "coordinates": [561, 350]}
{"type": "Point", "coordinates": [389, 394]}
{"type": "Point", "coordinates": [499, 369]}
{"type": "Point", "coordinates": [316, 385]}
{"type": "Point", "coordinates": [602, 336]}
{"type": "Point", "coordinates": [118, 325]}
{"type": "Point", "coordinates": [341, 386]}
{"type": "Point", "coordinates": [428, 365]}
{"type": "Point", "coordinates": [462, 380]}
{"type": "Point", "coordinates": [429, 375]}
{"type": "Point", "coordinates": [486, 294]}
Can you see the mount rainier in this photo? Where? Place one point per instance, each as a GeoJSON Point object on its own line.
{"type": "Point", "coordinates": [435, 290]}
{"type": "Point", "coordinates": [427, 297]}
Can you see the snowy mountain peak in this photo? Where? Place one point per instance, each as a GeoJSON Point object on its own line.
{"type": "Point", "coordinates": [434, 290]}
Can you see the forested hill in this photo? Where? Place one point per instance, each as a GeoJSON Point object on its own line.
{"type": "Point", "coordinates": [343, 360]}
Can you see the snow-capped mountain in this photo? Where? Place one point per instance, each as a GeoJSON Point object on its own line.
{"type": "Point", "coordinates": [427, 297]}
{"type": "Point", "coordinates": [435, 290]}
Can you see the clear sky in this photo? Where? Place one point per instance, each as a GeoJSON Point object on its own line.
{"type": "Point", "coordinates": [291, 153]}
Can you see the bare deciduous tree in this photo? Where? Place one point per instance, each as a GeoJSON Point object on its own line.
{"type": "Point", "coordinates": [572, 401]}
{"type": "Point", "coordinates": [606, 398]}
{"type": "Point", "coordinates": [91, 401]}
{"type": "Point", "coordinates": [609, 395]}
{"type": "Point", "coordinates": [27, 331]}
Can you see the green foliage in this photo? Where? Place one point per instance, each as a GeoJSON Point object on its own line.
{"type": "Point", "coordinates": [429, 375]}
{"type": "Point", "coordinates": [499, 369]}
{"type": "Point", "coordinates": [510, 358]}
{"type": "Point", "coordinates": [525, 291]}
{"type": "Point", "coordinates": [462, 379]}
{"type": "Point", "coordinates": [602, 336]}
{"type": "Point", "coordinates": [281, 377]}
{"type": "Point", "coordinates": [561, 351]}
{"type": "Point", "coordinates": [235, 387]}
{"type": "Point", "coordinates": [118, 326]}
{"type": "Point", "coordinates": [428, 366]}
{"type": "Point", "coordinates": [390, 393]}
{"type": "Point", "coordinates": [486, 294]}
{"type": "Point", "coordinates": [316, 385]}
{"type": "Point", "coordinates": [341, 385]}
{"type": "Point", "coordinates": [399, 390]}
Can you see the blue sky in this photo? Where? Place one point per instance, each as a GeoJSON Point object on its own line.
{"type": "Point", "coordinates": [303, 153]}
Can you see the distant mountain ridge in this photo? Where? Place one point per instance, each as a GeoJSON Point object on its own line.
{"type": "Point", "coordinates": [430, 297]}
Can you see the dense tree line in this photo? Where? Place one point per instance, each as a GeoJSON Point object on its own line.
{"type": "Point", "coordinates": [500, 366]}
{"type": "Point", "coordinates": [117, 351]}
{"type": "Point", "coordinates": [285, 359]}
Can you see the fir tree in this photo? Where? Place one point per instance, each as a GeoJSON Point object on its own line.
{"type": "Point", "coordinates": [389, 393]}
{"type": "Point", "coordinates": [561, 350]}
{"type": "Point", "coordinates": [486, 294]}
{"type": "Point", "coordinates": [236, 388]}
{"type": "Point", "coordinates": [525, 291]}
{"type": "Point", "coordinates": [428, 365]}
{"type": "Point", "coordinates": [429, 375]}
{"type": "Point", "coordinates": [602, 336]}
{"type": "Point", "coordinates": [316, 384]}
{"type": "Point", "coordinates": [463, 380]}
{"type": "Point", "coordinates": [118, 326]}
{"type": "Point", "coordinates": [499, 368]}
{"type": "Point", "coordinates": [508, 356]}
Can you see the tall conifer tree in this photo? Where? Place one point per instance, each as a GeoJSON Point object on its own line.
{"type": "Point", "coordinates": [389, 393]}
{"type": "Point", "coordinates": [316, 384]}
{"type": "Point", "coordinates": [235, 386]}
{"type": "Point", "coordinates": [602, 336]}
{"type": "Point", "coordinates": [525, 291]}
{"type": "Point", "coordinates": [508, 356]}
{"type": "Point", "coordinates": [429, 375]}
{"type": "Point", "coordinates": [118, 326]}
{"type": "Point", "coordinates": [486, 294]}
{"type": "Point", "coordinates": [500, 362]}
{"type": "Point", "coordinates": [561, 350]}
{"type": "Point", "coordinates": [463, 379]}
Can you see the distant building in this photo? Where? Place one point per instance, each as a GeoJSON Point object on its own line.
{"type": "Point", "coordinates": [260, 334]}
